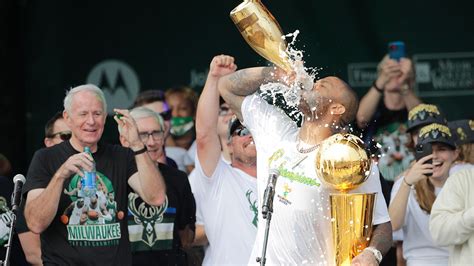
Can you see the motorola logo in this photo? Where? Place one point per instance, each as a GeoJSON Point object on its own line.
{"type": "Point", "coordinates": [118, 81]}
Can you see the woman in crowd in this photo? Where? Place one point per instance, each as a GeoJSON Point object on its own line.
{"type": "Point", "coordinates": [414, 194]}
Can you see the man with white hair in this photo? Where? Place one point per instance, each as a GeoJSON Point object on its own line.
{"type": "Point", "coordinates": [158, 234]}
{"type": "Point", "coordinates": [55, 168]}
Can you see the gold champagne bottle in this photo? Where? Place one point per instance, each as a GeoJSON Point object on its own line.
{"type": "Point", "coordinates": [262, 32]}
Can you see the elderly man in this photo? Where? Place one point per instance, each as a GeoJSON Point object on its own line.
{"type": "Point", "coordinates": [62, 167]}
{"type": "Point", "coordinates": [159, 233]}
{"type": "Point", "coordinates": [301, 224]}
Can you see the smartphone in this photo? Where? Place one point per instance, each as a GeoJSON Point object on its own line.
{"type": "Point", "coordinates": [422, 150]}
{"type": "Point", "coordinates": [396, 50]}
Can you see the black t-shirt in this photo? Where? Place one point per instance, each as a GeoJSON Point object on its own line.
{"type": "Point", "coordinates": [6, 215]}
{"type": "Point", "coordinates": [83, 231]}
{"type": "Point", "coordinates": [383, 120]}
{"type": "Point", "coordinates": [154, 230]}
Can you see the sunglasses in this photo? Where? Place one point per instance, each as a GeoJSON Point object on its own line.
{"type": "Point", "coordinates": [64, 135]}
{"type": "Point", "coordinates": [224, 110]}
{"type": "Point", "coordinates": [166, 115]}
{"type": "Point", "coordinates": [241, 132]}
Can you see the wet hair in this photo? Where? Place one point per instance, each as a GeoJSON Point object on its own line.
{"type": "Point", "coordinates": [88, 87]}
{"type": "Point", "coordinates": [149, 96]}
{"type": "Point", "coordinates": [49, 127]}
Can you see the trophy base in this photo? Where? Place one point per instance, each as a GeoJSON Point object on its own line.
{"type": "Point", "coordinates": [351, 224]}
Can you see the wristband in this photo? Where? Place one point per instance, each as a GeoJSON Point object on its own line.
{"type": "Point", "coordinates": [140, 151]}
{"type": "Point", "coordinates": [377, 88]}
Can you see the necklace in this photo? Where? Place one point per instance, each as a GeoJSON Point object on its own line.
{"type": "Point", "coordinates": [305, 150]}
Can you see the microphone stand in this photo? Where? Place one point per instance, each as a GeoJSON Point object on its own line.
{"type": "Point", "coordinates": [267, 211]}
{"type": "Point", "coordinates": [262, 259]}
{"type": "Point", "coordinates": [6, 261]}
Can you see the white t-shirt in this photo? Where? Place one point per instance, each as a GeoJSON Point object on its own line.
{"type": "Point", "coordinates": [227, 206]}
{"type": "Point", "coordinates": [460, 166]}
{"type": "Point", "coordinates": [180, 156]}
{"type": "Point", "coordinates": [418, 245]}
{"type": "Point", "coordinates": [300, 231]}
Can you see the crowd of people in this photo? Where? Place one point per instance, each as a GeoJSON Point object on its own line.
{"type": "Point", "coordinates": [185, 186]}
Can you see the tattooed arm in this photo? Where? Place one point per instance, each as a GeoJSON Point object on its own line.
{"type": "Point", "coordinates": [234, 87]}
{"type": "Point", "coordinates": [381, 240]}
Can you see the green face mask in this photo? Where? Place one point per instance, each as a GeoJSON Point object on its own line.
{"type": "Point", "coordinates": [181, 125]}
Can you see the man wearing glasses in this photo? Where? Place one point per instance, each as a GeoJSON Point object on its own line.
{"type": "Point", "coordinates": [226, 193]}
{"type": "Point", "coordinates": [56, 130]}
{"type": "Point", "coordinates": [158, 234]}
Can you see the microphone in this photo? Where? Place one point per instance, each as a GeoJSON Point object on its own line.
{"type": "Point", "coordinates": [267, 206]}
{"type": "Point", "coordinates": [18, 180]}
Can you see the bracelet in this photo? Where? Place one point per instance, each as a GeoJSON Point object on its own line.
{"type": "Point", "coordinates": [406, 183]}
{"type": "Point", "coordinates": [143, 150]}
{"type": "Point", "coordinates": [377, 88]}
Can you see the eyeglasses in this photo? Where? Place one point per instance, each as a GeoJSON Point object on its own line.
{"type": "Point", "coordinates": [241, 132]}
{"type": "Point", "coordinates": [64, 135]}
{"type": "Point", "coordinates": [155, 134]}
{"type": "Point", "coordinates": [224, 110]}
{"type": "Point", "coordinates": [166, 115]}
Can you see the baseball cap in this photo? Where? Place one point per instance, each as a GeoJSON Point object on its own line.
{"type": "Point", "coordinates": [425, 114]}
{"type": "Point", "coordinates": [436, 133]}
{"type": "Point", "coordinates": [463, 131]}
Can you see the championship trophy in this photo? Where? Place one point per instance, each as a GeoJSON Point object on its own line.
{"type": "Point", "coordinates": [262, 32]}
{"type": "Point", "coordinates": [343, 164]}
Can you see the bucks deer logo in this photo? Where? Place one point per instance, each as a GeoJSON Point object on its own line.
{"type": "Point", "coordinates": [253, 207]}
{"type": "Point", "coordinates": [147, 216]}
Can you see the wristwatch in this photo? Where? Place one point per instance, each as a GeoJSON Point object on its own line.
{"type": "Point", "coordinates": [376, 252]}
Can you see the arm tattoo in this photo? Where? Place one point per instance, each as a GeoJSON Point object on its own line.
{"type": "Point", "coordinates": [382, 237]}
{"type": "Point", "coordinates": [246, 81]}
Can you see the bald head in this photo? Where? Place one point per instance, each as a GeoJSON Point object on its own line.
{"type": "Point", "coordinates": [340, 92]}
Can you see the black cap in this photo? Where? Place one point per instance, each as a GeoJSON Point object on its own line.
{"type": "Point", "coordinates": [436, 133]}
{"type": "Point", "coordinates": [463, 131]}
{"type": "Point", "coordinates": [425, 114]}
{"type": "Point", "coordinates": [234, 123]}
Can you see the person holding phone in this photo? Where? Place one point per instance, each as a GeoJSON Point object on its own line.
{"type": "Point", "coordinates": [414, 193]}
{"type": "Point", "coordinates": [384, 108]}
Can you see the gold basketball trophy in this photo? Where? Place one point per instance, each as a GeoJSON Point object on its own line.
{"type": "Point", "coordinates": [342, 163]}
{"type": "Point", "coordinates": [262, 32]}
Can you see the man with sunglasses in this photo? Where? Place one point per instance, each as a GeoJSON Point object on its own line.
{"type": "Point", "coordinates": [63, 166]}
{"type": "Point", "coordinates": [225, 192]}
{"type": "Point", "coordinates": [300, 232]}
{"type": "Point", "coordinates": [55, 131]}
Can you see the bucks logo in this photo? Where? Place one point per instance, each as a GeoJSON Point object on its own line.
{"type": "Point", "coordinates": [147, 216]}
{"type": "Point", "coordinates": [253, 207]}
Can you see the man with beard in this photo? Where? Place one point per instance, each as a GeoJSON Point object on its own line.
{"type": "Point", "coordinates": [301, 226]}
{"type": "Point", "coordinates": [227, 192]}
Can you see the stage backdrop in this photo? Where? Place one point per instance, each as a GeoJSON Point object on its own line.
{"type": "Point", "coordinates": [128, 46]}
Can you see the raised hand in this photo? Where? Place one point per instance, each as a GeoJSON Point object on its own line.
{"type": "Point", "coordinates": [222, 65]}
{"type": "Point", "coordinates": [128, 128]}
{"type": "Point", "coordinates": [419, 170]}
